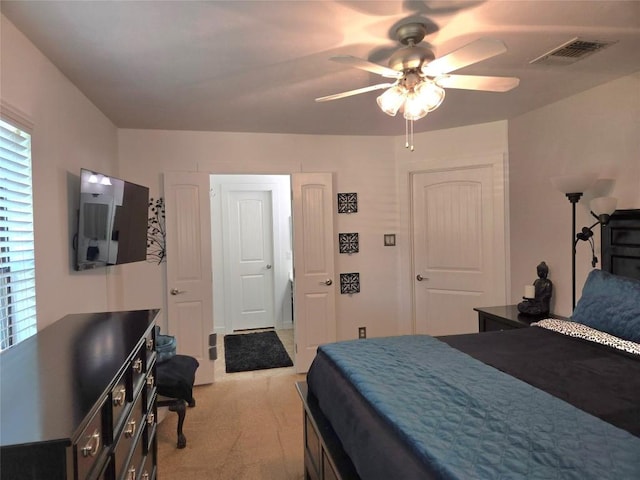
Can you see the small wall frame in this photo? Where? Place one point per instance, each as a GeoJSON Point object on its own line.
{"type": "Point", "coordinates": [347, 203]}
{"type": "Point", "coordinates": [349, 283]}
{"type": "Point", "coordinates": [349, 243]}
{"type": "Point", "coordinates": [389, 239]}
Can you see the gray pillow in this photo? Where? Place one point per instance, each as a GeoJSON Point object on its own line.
{"type": "Point", "coordinates": [611, 304]}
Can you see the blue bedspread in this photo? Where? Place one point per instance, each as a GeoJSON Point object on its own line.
{"type": "Point", "coordinates": [463, 419]}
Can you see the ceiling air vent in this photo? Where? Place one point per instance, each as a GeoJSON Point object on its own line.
{"type": "Point", "coordinates": [570, 52]}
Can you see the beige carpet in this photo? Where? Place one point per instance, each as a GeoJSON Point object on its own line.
{"type": "Point", "coordinates": [245, 426]}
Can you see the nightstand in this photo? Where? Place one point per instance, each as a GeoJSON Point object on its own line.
{"type": "Point", "coordinates": [504, 317]}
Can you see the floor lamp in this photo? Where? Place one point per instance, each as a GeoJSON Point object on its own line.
{"type": "Point", "coordinates": [601, 208]}
{"type": "Point", "coordinates": [573, 186]}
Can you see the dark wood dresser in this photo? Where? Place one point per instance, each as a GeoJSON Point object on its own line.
{"type": "Point", "coordinates": [78, 400]}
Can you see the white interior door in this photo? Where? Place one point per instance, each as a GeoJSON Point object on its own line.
{"type": "Point", "coordinates": [314, 276]}
{"type": "Point", "coordinates": [458, 248]}
{"type": "Point", "coordinates": [249, 263]}
{"type": "Point", "coordinates": [189, 267]}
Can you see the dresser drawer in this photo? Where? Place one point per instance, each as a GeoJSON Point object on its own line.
{"type": "Point", "coordinates": [493, 325]}
{"type": "Point", "coordinates": [147, 471]}
{"type": "Point", "coordinates": [119, 398]}
{"type": "Point", "coordinates": [132, 470]}
{"type": "Point", "coordinates": [150, 389]}
{"type": "Point", "coordinates": [90, 448]}
{"type": "Point", "coordinates": [128, 437]}
{"type": "Point", "coordinates": [150, 345]}
{"type": "Point", "coordinates": [138, 370]}
{"type": "Point", "coordinates": [150, 431]}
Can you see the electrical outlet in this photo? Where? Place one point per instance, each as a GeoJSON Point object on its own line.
{"type": "Point", "coordinates": [362, 332]}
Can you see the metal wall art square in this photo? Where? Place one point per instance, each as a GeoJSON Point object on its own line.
{"type": "Point", "coordinates": [348, 243]}
{"type": "Point", "coordinates": [347, 202]}
{"type": "Point", "coordinates": [349, 283]}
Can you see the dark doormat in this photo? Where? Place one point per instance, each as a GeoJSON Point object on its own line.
{"type": "Point", "coordinates": [254, 351]}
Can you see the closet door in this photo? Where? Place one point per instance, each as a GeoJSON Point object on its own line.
{"type": "Point", "coordinates": [189, 267]}
{"type": "Point", "coordinates": [314, 274]}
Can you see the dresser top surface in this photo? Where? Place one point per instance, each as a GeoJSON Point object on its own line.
{"type": "Point", "coordinates": [51, 382]}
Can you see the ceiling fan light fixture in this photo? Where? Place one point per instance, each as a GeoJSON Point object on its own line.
{"type": "Point", "coordinates": [430, 94]}
{"type": "Point", "coordinates": [420, 78]}
{"type": "Point", "coordinates": [391, 100]}
{"type": "Point", "coordinates": [414, 107]}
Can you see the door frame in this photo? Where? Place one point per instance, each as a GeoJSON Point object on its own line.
{"type": "Point", "coordinates": [276, 249]}
{"type": "Point", "coordinates": [281, 280]}
{"type": "Point", "coordinates": [498, 162]}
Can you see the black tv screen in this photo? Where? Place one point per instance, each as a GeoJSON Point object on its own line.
{"type": "Point", "coordinates": [112, 221]}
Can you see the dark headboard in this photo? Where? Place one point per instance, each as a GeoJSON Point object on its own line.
{"type": "Point", "coordinates": [621, 244]}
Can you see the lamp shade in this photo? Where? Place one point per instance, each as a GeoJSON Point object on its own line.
{"type": "Point", "coordinates": [603, 205]}
{"type": "Point", "coordinates": [574, 183]}
{"type": "Point", "coordinates": [430, 95]}
{"type": "Point", "coordinates": [391, 100]}
{"type": "Point", "coordinates": [414, 108]}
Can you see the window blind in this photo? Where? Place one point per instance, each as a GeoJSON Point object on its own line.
{"type": "Point", "coordinates": [17, 262]}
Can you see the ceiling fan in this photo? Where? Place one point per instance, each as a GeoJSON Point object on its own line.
{"type": "Point", "coordinates": [419, 79]}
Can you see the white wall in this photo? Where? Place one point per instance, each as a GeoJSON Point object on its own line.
{"type": "Point", "coordinates": [374, 167]}
{"type": "Point", "coordinates": [596, 131]}
{"type": "Point", "coordinates": [361, 164]}
{"type": "Point", "coordinates": [69, 132]}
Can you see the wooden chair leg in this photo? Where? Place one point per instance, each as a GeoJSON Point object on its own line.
{"type": "Point", "coordinates": [180, 408]}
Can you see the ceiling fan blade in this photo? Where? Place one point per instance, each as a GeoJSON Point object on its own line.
{"type": "Point", "coordinates": [478, 82]}
{"type": "Point", "coordinates": [468, 54]}
{"type": "Point", "coordinates": [358, 91]}
{"type": "Point", "coordinates": [366, 65]}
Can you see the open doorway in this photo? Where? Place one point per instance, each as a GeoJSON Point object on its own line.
{"type": "Point", "coordinates": [252, 255]}
{"type": "Point", "coordinates": [189, 297]}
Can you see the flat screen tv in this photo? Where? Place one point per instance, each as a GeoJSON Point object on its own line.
{"type": "Point", "coordinates": [112, 221]}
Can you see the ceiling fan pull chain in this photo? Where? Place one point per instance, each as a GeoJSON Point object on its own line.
{"type": "Point", "coordinates": [411, 135]}
{"type": "Point", "coordinates": [406, 133]}
{"type": "Point", "coordinates": [408, 144]}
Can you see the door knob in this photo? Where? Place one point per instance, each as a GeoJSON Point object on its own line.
{"type": "Point", "coordinates": [421, 278]}
{"type": "Point", "coordinates": [328, 282]}
{"type": "Point", "coordinates": [268, 266]}
{"type": "Point", "coordinates": [175, 291]}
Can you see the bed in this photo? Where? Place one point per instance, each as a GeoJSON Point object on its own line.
{"type": "Point", "coordinates": [560, 399]}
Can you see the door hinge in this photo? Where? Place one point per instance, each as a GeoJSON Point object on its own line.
{"type": "Point", "coordinates": [295, 347]}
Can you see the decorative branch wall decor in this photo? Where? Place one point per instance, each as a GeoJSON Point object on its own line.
{"type": "Point", "coordinates": [348, 242]}
{"type": "Point", "coordinates": [349, 283]}
{"type": "Point", "coordinates": [347, 203]}
{"type": "Point", "coordinates": [156, 232]}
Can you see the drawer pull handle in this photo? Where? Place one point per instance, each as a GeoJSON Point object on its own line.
{"type": "Point", "coordinates": [131, 429]}
{"type": "Point", "coordinates": [151, 418]}
{"type": "Point", "coordinates": [150, 380]}
{"type": "Point", "coordinates": [92, 446]}
{"type": "Point", "coordinates": [150, 344]}
{"type": "Point", "coordinates": [131, 473]}
{"type": "Point", "coordinates": [118, 398]}
{"type": "Point", "coordinates": [137, 366]}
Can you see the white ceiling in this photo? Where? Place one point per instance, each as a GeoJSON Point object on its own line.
{"type": "Point", "coordinates": [256, 66]}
